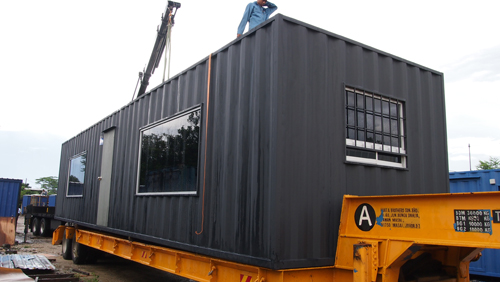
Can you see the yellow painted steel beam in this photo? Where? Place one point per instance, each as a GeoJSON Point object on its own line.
{"type": "Point", "coordinates": [361, 263]}
{"type": "Point", "coordinates": [57, 236]}
{"type": "Point", "coordinates": [201, 268]}
{"type": "Point", "coordinates": [388, 231]}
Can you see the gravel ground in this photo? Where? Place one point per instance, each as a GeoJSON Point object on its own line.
{"type": "Point", "coordinates": [109, 268]}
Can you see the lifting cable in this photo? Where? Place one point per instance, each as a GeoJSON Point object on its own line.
{"type": "Point", "coordinates": [206, 141]}
{"type": "Point", "coordinates": [168, 48]}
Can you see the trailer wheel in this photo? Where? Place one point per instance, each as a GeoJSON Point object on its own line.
{"type": "Point", "coordinates": [45, 227]}
{"type": "Point", "coordinates": [36, 226]}
{"type": "Point", "coordinates": [66, 247]}
{"type": "Point", "coordinates": [79, 252]}
{"type": "Point", "coordinates": [93, 255]}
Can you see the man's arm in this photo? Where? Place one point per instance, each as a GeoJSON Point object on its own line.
{"type": "Point", "coordinates": [271, 7]}
{"type": "Point", "coordinates": [244, 20]}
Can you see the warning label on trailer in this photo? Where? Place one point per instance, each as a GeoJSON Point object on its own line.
{"type": "Point", "coordinates": [401, 217]}
{"type": "Point", "coordinates": [473, 221]}
{"type": "Point", "coordinates": [245, 278]}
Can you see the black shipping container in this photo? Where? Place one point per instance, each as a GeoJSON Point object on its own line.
{"type": "Point", "coordinates": [246, 155]}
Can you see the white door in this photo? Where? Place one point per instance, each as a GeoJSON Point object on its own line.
{"type": "Point", "coordinates": [105, 178]}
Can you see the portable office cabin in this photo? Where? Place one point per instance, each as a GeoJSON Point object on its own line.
{"type": "Point", "coordinates": [246, 155]}
{"type": "Point", "coordinates": [480, 181]}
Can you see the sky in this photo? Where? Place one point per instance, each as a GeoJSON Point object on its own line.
{"type": "Point", "coordinates": [65, 65]}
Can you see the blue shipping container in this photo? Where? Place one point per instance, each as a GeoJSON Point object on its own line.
{"type": "Point", "coordinates": [479, 181]}
{"type": "Point", "coordinates": [26, 202]}
{"type": "Point", "coordinates": [52, 200]}
{"type": "Point", "coordinates": [9, 196]}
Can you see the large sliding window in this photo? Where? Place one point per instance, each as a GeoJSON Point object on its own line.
{"type": "Point", "coordinates": [168, 157]}
{"type": "Point", "coordinates": [76, 179]}
{"type": "Point", "coordinates": [374, 129]}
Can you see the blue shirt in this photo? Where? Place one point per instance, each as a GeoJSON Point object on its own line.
{"type": "Point", "coordinates": [255, 15]}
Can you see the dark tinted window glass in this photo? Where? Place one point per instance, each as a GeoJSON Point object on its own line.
{"type": "Point", "coordinates": [361, 135]}
{"type": "Point", "coordinates": [350, 117]}
{"type": "Point", "coordinates": [369, 121]}
{"type": "Point", "coordinates": [369, 137]}
{"type": "Point", "coordinates": [369, 103]}
{"type": "Point", "coordinates": [386, 125]}
{"type": "Point", "coordinates": [350, 99]}
{"type": "Point", "coordinates": [389, 158]}
{"type": "Point", "coordinates": [394, 126]}
{"type": "Point", "coordinates": [351, 133]}
{"type": "Point", "coordinates": [395, 142]}
{"type": "Point", "coordinates": [169, 155]}
{"type": "Point", "coordinates": [361, 119]}
{"type": "Point", "coordinates": [394, 111]}
{"type": "Point", "coordinates": [377, 103]}
{"type": "Point", "coordinates": [77, 175]}
{"type": "Point", "coordinates": [385, 107]}
{"type": "Point", "coordinates": [378, 123]}
{"type": "Point", "coordinates": [360, 101]}
{"type": "Point", "coordinates": [387, 140]}
{"type": "Point", "coordinates": [361, 153]}
{"type": "Point", "coordinates": [378, 138]}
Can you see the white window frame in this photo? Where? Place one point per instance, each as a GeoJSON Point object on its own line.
{"type": "Point", "coordinates": [69, 174]}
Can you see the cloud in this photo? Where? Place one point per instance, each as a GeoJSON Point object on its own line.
{"type": "Point", "coordinates": [481, 148]}
{"type": "Point", "coordinates": [29, 155]}
{"type": "Point", "coordinates": [482, 66]}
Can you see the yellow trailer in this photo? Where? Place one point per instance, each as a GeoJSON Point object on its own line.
{"type": "Point", "coordinates": [381, 239]}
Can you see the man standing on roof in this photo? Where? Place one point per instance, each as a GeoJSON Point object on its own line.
{"type": "Point", "coordinates": [255, 14]}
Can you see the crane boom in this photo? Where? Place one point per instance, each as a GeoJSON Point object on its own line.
{"type": "Point", "coordinates": [167, 22]}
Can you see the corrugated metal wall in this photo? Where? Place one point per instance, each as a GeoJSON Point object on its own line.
{"type": "Point", "coordinates": [311, 169]}
{"type": "Point", "coordinates": [479, 181]}
{"type": "Point", "coordinates": [275, 157]}
{"type": "Point", "coordinates": [10, 190]}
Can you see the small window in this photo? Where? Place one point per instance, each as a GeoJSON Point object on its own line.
{"type": "Point", "coordinates": [374, 129]}
{"type": "Point", "coordinates": [76, 177]}
{"type": "Point", "coordinates": [168, 157]}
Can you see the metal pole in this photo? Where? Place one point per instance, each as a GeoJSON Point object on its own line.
{"type": "Point", "coordinates": [470, 166]}
{"type": "Point", "coordinates": [138, 80]}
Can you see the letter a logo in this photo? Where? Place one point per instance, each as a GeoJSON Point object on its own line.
{"type": "Point", "coordinates": [365, 217]}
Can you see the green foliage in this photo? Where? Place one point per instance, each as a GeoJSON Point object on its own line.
{"type": "Point", "coordinates": [493, 163]}
{"type": "Point", "coordinates": [48, 183]}
{"type": "Point", "coordinates": [93, 278]}
{"type": "Point", "coordinates": [25, 191]}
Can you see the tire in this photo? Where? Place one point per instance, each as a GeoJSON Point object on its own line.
{"type": "Point", "coordinates": [79, 252]}
{"type": "Point", "coordinates": [66, 247]}
{"type": "Point", "coordinates": [93, 255]}
{"type": "Point", "coordinates": [45, 227]}
{"type": "Point", "coordinates": [36, 226]}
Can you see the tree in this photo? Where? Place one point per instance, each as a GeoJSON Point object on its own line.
{"type": "Point", "coordinates": [25, 190]}
{"type": "Point", "coordinates": [493, 163]}
{"type": "Point", "coordinates": [48, 183]}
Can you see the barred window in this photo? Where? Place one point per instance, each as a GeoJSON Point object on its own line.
{"type": "Point", "coordinates": [374, 129]}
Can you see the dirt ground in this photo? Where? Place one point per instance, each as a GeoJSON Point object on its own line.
{"type": "Point", "coordinates": [109, 268]}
